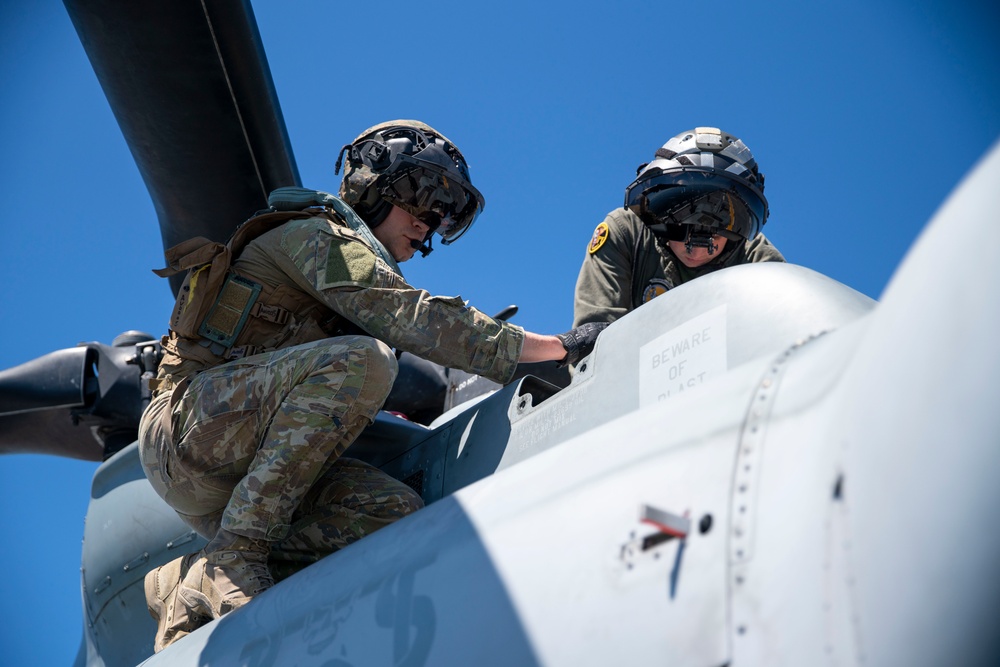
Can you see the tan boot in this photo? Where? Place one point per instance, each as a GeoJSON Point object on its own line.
{"type": "Point", "coordinates": [232, 571]}
{"type": "Point", "coordinates": [173, 618]}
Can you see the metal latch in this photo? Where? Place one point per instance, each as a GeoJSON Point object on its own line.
{"type": "Point", "coordinates": [670, 526]}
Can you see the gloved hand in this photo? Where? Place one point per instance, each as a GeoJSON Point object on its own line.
{"type": "Point", "coordinates": [579, 342]}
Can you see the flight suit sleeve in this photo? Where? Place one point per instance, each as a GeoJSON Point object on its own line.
{"type": "Point", "coordinates": [604, 286]}
{"type": "Point", "coordinates": [761, 250]}
{"type": "Point", "coordinates": [342, 271]}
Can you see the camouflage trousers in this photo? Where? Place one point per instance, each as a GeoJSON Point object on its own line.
{"type": "Point", "coordinates": [253, 446]}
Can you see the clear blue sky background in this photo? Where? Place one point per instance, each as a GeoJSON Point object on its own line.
{"type": "Point", "coordinates": [862, 114]}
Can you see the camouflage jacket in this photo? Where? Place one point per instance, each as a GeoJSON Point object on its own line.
{"type": "Point", "coordinates": [318, 278]}
{"type": "Point", "coordinates": [626, 266]}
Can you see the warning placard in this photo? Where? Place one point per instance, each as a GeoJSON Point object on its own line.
{"type": "Point", "coordinates": [683, 358]}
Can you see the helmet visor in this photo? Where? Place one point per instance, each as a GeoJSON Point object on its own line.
{"type": "Point", "coordinates": [669, 198]}
{"type": "Point", "coordinates": [442, 199]}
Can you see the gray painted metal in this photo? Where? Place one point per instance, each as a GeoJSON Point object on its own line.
{"type": "Point", "coordinates": [390, 599]}
{"type": "Point", "coordinates": [678, 344]}
{"type": "Point", "coordinates": [128, 531]}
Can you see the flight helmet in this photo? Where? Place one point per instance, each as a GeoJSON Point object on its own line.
{"type": "Point", "coordinates": [409, 164]}
{"type": "Point", "coordinates": [701, 183]}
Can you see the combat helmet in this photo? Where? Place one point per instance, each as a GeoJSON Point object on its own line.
{"type": "Point", "coordinates": [700, 183]}
{"type": "Point", "coordinates": [409, 164]}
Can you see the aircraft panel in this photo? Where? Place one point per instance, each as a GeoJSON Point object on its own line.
{"type": "Point", "coordinates": [920, 427]}
{"type": "Point", "coordinates": [684, 340]}
{"type": "Point", "coordinates": [789, 567]}
{"type": "Point", "coordinates": [565, 533]}
{"type": "Point", "coordinates": [419, 593]}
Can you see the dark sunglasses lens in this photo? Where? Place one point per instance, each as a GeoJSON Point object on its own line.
{"type": "Point", "coordinates": [676, 232]}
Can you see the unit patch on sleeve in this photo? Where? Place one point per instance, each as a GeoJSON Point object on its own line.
{"type": "Point", "coordinates": [654, 289]}
{"type": "Point", "coordinates": [349, 263]}
{"type": "Point", "coordinates": [600, 236]}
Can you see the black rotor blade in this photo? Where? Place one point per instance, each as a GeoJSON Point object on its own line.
{"type": "Point", "coordinates": [83, 402]}
{"type": "Point", "coordinates": [57, 380]}
{"type": "Point", "coordinates": [190, 87]}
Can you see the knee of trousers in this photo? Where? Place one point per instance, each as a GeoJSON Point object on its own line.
{"type": "Point", "coordinates": [380, 364]}
{"type": "Point", "coordinates": [195, 497]}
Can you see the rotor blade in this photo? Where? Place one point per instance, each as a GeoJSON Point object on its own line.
{"type": "Point", "coordinates": [49, 432]}
{"type": "Point", "coordinates": [190, 87]}
{"type": "Point", "coordinates": [83, 402]}
{"type": "Point", "coordinates": [37, 400]}
{"type": "Point", "coordinates": [57, 380]}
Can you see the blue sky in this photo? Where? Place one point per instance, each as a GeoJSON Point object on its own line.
{"type": "Point", "coordinates": [862, 115]}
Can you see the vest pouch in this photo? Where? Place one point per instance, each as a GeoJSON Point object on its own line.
{"type": "Point", "coordinates": [207, 263]}
{"type": "Point", "coordinates": [230, 311]}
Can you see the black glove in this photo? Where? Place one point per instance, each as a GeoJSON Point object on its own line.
{"type": "Point", "coordinates": [579, 342]}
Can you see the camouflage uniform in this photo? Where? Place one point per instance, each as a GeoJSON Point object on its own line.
{"type": "Point", "coordinates": [252, 445]}
{"type": "Point", "coordinates": [626, 266]}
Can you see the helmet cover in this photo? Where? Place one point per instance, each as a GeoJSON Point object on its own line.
{"type": "Point", "coordinates": [408, 164]}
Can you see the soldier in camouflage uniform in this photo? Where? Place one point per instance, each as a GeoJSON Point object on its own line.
{"type": "Point", "coordinates": [279, 355]}
{"type": "Point", "coordinates": [696, 208]}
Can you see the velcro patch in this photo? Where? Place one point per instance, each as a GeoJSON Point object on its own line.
{"type": "Point", "coordinates": [600, 236]}
{"type": "Point", "coordinates": [230, 311]}
{"type": "Point", "coordinates": [349, 262]}
{"type": "Point", "coordinates": [654, 289]}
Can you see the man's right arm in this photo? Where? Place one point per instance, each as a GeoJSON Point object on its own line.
{"type": "Point", "coordinates": [340, 270]}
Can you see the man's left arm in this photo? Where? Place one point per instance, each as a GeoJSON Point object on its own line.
{"type": "Point", "coordinates": [345, 274]}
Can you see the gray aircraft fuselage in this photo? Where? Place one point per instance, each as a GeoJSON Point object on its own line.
{"type": "Point", "coordinates": [829, 460]}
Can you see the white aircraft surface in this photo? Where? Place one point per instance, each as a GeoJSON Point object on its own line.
{"type": "Point", "coordinates": [761, 467]}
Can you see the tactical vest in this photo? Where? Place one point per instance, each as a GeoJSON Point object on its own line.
{"type": "Point", "coordinates": [223, 314]}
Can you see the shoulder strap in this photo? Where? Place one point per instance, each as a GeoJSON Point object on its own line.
{"type": "Point", "coordinates": [295, 199]}
{"type": "Point", "coordinates": [261, 224]}
{"type": "Point", "coordinates": [200, 250]}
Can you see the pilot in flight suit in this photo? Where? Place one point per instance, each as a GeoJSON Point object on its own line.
{"type": "Point", "coordinates": [696, 208]}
